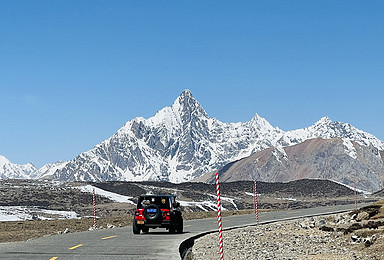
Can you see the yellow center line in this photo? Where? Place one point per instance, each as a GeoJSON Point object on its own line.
{"type": "Point", "coordinates": [109, 237]}
{"type": "Point", "coordinates": [74, 247]}
{"type": "Point", "coordinates": [53, 258]}
{"type": "Point", "coordinates": [188, 226]}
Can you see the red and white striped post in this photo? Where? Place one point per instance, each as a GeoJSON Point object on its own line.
{"type": "Point", "coordinates": [219, 217]}
{"type": "Point", "coordinates": [255, 203]}
{"type": "Point", "coordinates": [354, 183]}
{"type": "Point", "coordinates": [94, 210]}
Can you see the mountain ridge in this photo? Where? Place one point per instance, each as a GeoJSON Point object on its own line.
{"type": "Point", "coordinates": [332, 159]}
{"type": "Point", "coordinates": [181, 142]}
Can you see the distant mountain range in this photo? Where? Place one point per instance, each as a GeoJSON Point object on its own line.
{"type": "Point", "coordinates": [181, 143]}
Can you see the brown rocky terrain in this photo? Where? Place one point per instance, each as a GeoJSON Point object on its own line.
{"type": "Point", "coordinates": [355, 235]}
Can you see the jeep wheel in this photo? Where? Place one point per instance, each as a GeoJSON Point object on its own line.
{"type": "Point", "coordinates": [179, 226]}
{"type": "Point", "coordinates": [136, 230]}
{"type": "Point", "coordinates": [171, 230]}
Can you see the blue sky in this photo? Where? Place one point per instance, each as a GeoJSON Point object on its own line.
{"type": "Point", "coordinates": [73, 72]}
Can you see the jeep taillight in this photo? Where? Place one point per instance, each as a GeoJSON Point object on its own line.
{"type": "Point", "coordinates": [139, 214]}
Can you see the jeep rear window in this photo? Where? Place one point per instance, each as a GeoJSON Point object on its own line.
{"type": "Point", "coordinates": [162, 202]}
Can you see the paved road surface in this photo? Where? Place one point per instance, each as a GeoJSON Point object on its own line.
{"type": "Point", "coordinates": [120, 243]}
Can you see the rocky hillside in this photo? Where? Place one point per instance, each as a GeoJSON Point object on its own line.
{"type": "Point", "coordinates": [335, 159]}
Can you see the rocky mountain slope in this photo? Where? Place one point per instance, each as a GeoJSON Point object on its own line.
{"type": "Point", "coordinates": [335, 159]}
{"type": "Point", "coordinates": [181, 142]}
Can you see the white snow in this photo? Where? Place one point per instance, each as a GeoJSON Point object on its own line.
{"type": "Point", "coordinates": [352, 188]}
{"type": "Point", "coordinates": [9, 170]}
{"type": "Point", "coordinates": [230, 200]}
{"type": "Point", "coordinates": [290, 199]}
{"type": "Point", "coordinates": [204, 205]}
{"type": "Point", "coordinates": [350, 149]}
{"type": "Point", "coordinates": [3, 161]}
{"type": "Point", "coordinates": [49, 169]}
{"type": "Point", "coordinates": [110, 195]}
{"type": "Point", "coordinates": [251, 194]}
{"type": "Point", "coordinates": [20, 213]}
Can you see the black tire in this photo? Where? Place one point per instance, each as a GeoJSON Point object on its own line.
{"type": "Point", "coordinates": [171, 230]}
{"type": "Point", "coordinates": [179, 226]}
{"type": "Point", "coordinates": [151, 216]}
{"type": "Point", "coordinates": [136, 229]}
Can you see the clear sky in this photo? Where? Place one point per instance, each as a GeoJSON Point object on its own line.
{"type": "Point", "coordinates": [73, 72]}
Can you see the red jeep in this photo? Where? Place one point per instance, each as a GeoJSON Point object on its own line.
{"type": "Point", "coordinates": [155, 211]}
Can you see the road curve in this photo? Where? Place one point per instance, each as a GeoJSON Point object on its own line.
{"type": "Point", "coordinates": [120, 243]}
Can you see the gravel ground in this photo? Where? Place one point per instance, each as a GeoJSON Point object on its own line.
{"type": "Point", "coordinates": [295, 239]}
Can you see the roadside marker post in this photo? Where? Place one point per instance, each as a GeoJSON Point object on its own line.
{"type": "Point", "coordinates": [94, 210]}
{"type": "Point", "coordinates": [354, 182]}
{"type": "Point", "coordinates": [219, 217]}
{"type": "Point", "coordinates": [255, 203]}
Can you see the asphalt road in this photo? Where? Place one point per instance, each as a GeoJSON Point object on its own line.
{"type": "Point", "coordinates": [120, 243]}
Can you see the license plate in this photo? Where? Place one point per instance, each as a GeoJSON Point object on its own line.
{"type": "Point", "coordinates": [140, 222]}
{"type": "Point", "coordinates": [152, 210]}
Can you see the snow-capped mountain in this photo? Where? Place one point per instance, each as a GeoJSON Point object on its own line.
{"type": "Point", "coordinates": [327, 129]}
{"type": "Point", "coordinates": [181, 142]}
{"type": "Point", "coordinates": [10, 170]}
{"type": "Point", "coordinates": [337, 159]}
{"type": "Point", "coordinates": [47, 170]}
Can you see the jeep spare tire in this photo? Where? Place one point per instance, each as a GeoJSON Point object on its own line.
{"type": "Point", "coordinates": [152, 212]}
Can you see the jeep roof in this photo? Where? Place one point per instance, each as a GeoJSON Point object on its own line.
{"type": "Point", "coordinates": [161, 200]}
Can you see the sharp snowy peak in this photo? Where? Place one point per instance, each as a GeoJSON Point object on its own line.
{"type": "Point", "coordinates": [181, 142]}
{"type": "Point", "coordinates": [10, 170]}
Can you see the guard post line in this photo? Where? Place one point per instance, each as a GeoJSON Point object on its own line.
{"type": "Point", "coordinates": [219, 216]}
{"type": "Point", "coordinates": [354, 182]}
{"type": "Point", "coordinates": [94, 210]}
{"type": "Point", "coordinates": [255, 203]}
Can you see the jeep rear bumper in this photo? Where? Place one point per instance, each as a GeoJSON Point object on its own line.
{"type": "Point", "coordinates": [144, 223]}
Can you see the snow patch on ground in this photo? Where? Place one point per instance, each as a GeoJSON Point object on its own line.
{"type": "Point", "coordinates": [110, 195]}
{"type": "Point", "coordinates": [20, 213]}
{"type": "Point", "coordinates": [251, 194]}
{"type": "Point", "coordinates": [204, 205]}
{"type": "Point", "coordinates": [230, 200]}
{"type": "Point", "coordinates": [290, 199]}
{"type": "Point", "coordinates": [352, 188]}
